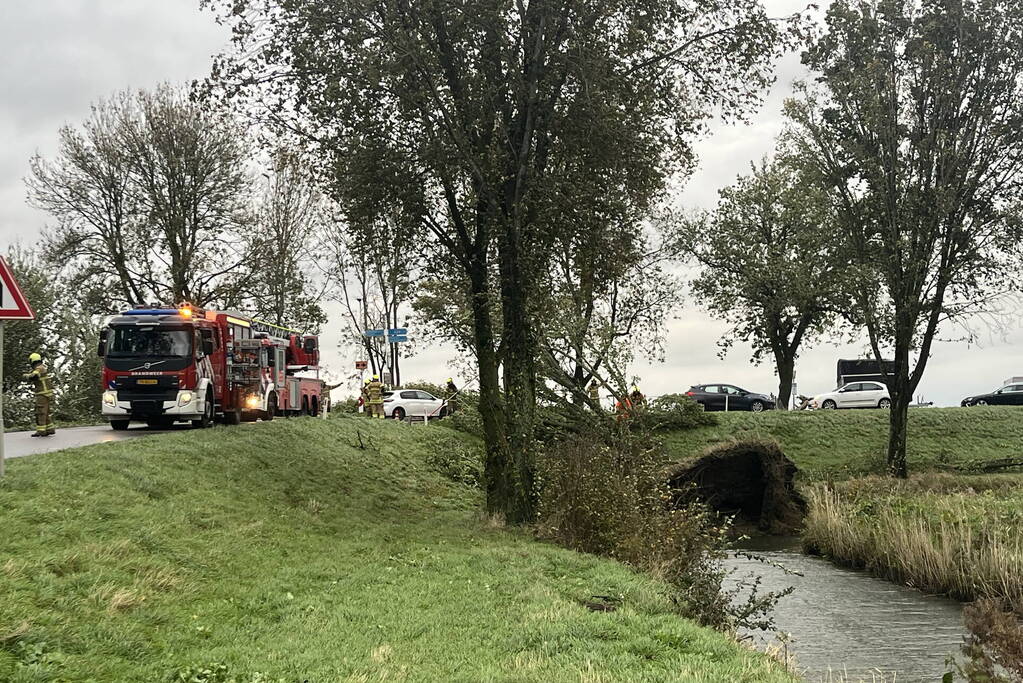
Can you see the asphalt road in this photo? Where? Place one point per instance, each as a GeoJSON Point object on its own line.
{"type": "Point", "coordinates": [18, 444]}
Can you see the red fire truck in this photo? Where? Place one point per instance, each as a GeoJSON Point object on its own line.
{"type": "Point", "coordinates": [167, 365]}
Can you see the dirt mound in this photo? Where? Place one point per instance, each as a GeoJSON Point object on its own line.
{"type": "Point", "coordinates": [752, 480]}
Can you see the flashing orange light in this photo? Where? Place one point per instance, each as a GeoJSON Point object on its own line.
{"type": "Point", "coordinates": [185, 312]}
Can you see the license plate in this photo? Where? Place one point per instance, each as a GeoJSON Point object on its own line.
{"type": "Point", "coordinates": [147, 381]}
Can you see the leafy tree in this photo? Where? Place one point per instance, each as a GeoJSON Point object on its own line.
{"type": "Point", "coordinates": [771, 265]}
{"type": "Point", "coordinates": [370, 274]}
{"type": "Point", "coordinates": [610, 292]}
{"type": "Point", "coordinates": [280, 256]}
{"type": "Point", "coordinates": [917, 126]}
{"type": "Point", "coordinates": [88, 189]}
{"type": "Point", "coordinates": [149, 196]}
{"type": "Point", "coordinates": [475, 119]}
{"type": "Point", "coordinates": [188, 163]}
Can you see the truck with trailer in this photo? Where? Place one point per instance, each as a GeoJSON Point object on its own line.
{"type": "Point", "coordinates": [186, 364]}
{"type": "Point", "coordinates": [862, 370]}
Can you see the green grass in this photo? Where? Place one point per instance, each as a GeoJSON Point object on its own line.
{"type": "Point", "coordinates": [283, 551]}
{"type": "Point", "coordinates": [845, 443]}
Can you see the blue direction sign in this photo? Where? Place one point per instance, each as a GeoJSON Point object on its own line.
{"type": "Point", "coordinates": [374, 333]}
{"type": "Point", "coordinates": [397, 332]}
{"type": "Point", "coordinates": [397, 338]}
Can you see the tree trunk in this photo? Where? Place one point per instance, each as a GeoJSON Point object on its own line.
{"type": "Point", "coordinates": [579, 380]}
{"type": "Point", "coordinates": [901, 395]}
{"type": "Point", "coordinates": [519, 382]}
{"type": "Point", "coordinates": [497, 469]}
{"type": "Point", "coordinates": [786, 366]}
{"type": "Point", "coordinates": [899, 421]}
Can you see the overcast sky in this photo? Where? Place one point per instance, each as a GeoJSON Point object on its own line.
{"type": "Point", "coordinates": [62, 55]}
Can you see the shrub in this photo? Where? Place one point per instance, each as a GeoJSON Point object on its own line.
{"type": "Point", "coordinates": [457, 460]}
{"type": "Point", "coordinates": [345, 406]}
{"type": "Point", "coordinates": [468, 420]}
{"type": "Point", "coordinates": [994, 647]}
{"type": "Point", "coordinates": [673, 412]}
{"type": "Point", "coordinates": [606, 493]}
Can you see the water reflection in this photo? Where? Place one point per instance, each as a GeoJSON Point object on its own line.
{"type": "Point", "coordinates": [850, 624]}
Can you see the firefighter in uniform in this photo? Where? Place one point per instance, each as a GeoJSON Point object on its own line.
{"type": "Point", "coordinates": [325, 397]}
{"type": "Point", "coordinates": [376, 397]}
{"type": "Point", "coordinates": [452, 397]}
{"type": "Point", "coordinates": [365, 397]}
{"type": "Point", "coordinates": [44, 395]}
{"type": "Point", "coordinates": [623, 409]}
{"type": "Point", "coordinates": [594, 392]}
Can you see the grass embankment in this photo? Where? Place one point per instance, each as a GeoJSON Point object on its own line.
{"type": "Point", "coordinates": [845, 443]}
{"type": "Point", "coordinates": [960, 534]}
{"type": "Point", "coordinates": [284, 551]}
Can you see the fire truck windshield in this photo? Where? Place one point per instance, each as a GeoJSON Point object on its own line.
{"type": "Point", "coordinates": [150, 342]}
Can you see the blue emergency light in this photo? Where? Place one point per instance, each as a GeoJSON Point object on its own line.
{"type": "Point", "coordinates": [152, 311]}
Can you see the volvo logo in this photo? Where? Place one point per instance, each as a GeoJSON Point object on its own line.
{"type": "Point", "coordinates": [147, 366]}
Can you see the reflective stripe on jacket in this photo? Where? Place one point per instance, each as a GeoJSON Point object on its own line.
{"type": "Point", "coordinates": [40, 380]}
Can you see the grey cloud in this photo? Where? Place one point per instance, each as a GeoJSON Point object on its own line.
{"type": "Point", "coordinates": [62, 55]}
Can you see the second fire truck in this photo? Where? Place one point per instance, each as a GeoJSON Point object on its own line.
{"type": "Point", "coordinates": [167, 365]}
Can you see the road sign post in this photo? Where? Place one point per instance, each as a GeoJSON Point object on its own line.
{"type": "Point", "coordinates": [13, 306]}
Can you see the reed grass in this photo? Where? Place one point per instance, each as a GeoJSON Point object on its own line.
{"type": "Point", "coordinates": [962, 542]}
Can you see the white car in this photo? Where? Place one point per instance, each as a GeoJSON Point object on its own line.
{"type": "Point", "coordinates": [855, 395]}
{"type": "Point", "coordinates": [402, 403]}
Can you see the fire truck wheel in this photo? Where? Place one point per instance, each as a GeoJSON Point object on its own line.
{"type": "Point", "coordinates": [314, 407]}
{"type": "Point", "coordinates": [271, 408]}
{"type": "Point", "coordinates": [233, 417]}
{"type": "Point", "coordinates": [207, 414]}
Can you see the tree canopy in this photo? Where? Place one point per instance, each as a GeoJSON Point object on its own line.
{"type": "Point", "coordinates": [915, 124]}
{"type": "Point", "coordinates": [491, 127]}
{"type": "Point", "coordinates": [773, 267]}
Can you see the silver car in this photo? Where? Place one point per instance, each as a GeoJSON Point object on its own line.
{"type": "Point", "coordinates": [402, 403]}
{"type": "Point", "coordinates": [855, 395]}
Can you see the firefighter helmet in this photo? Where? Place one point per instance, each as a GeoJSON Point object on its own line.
{"type": "Point", "coordinates": [376, 377]}
{"type": "Point", "coordinates": [34, 358]}
{"type": "Point", "coordinates": [368, 380]}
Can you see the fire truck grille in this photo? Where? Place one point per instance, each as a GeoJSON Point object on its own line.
{"type": "Point", "coordinates": [154, 395]}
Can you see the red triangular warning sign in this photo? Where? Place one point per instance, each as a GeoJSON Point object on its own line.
{"type": "Point", "coordinates": [13, 304]}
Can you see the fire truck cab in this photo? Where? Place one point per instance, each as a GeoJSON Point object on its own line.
{"type": "Point", "coordinates": [167, 365]}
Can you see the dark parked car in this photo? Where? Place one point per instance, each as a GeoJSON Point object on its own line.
{"type": "Point", "coordinates": [1009, 395]}
{"type": "Point", "coordinates": [716, 396]}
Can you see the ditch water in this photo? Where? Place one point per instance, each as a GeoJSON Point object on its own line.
{"type": "Point", "coordinates": [845, 625]}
